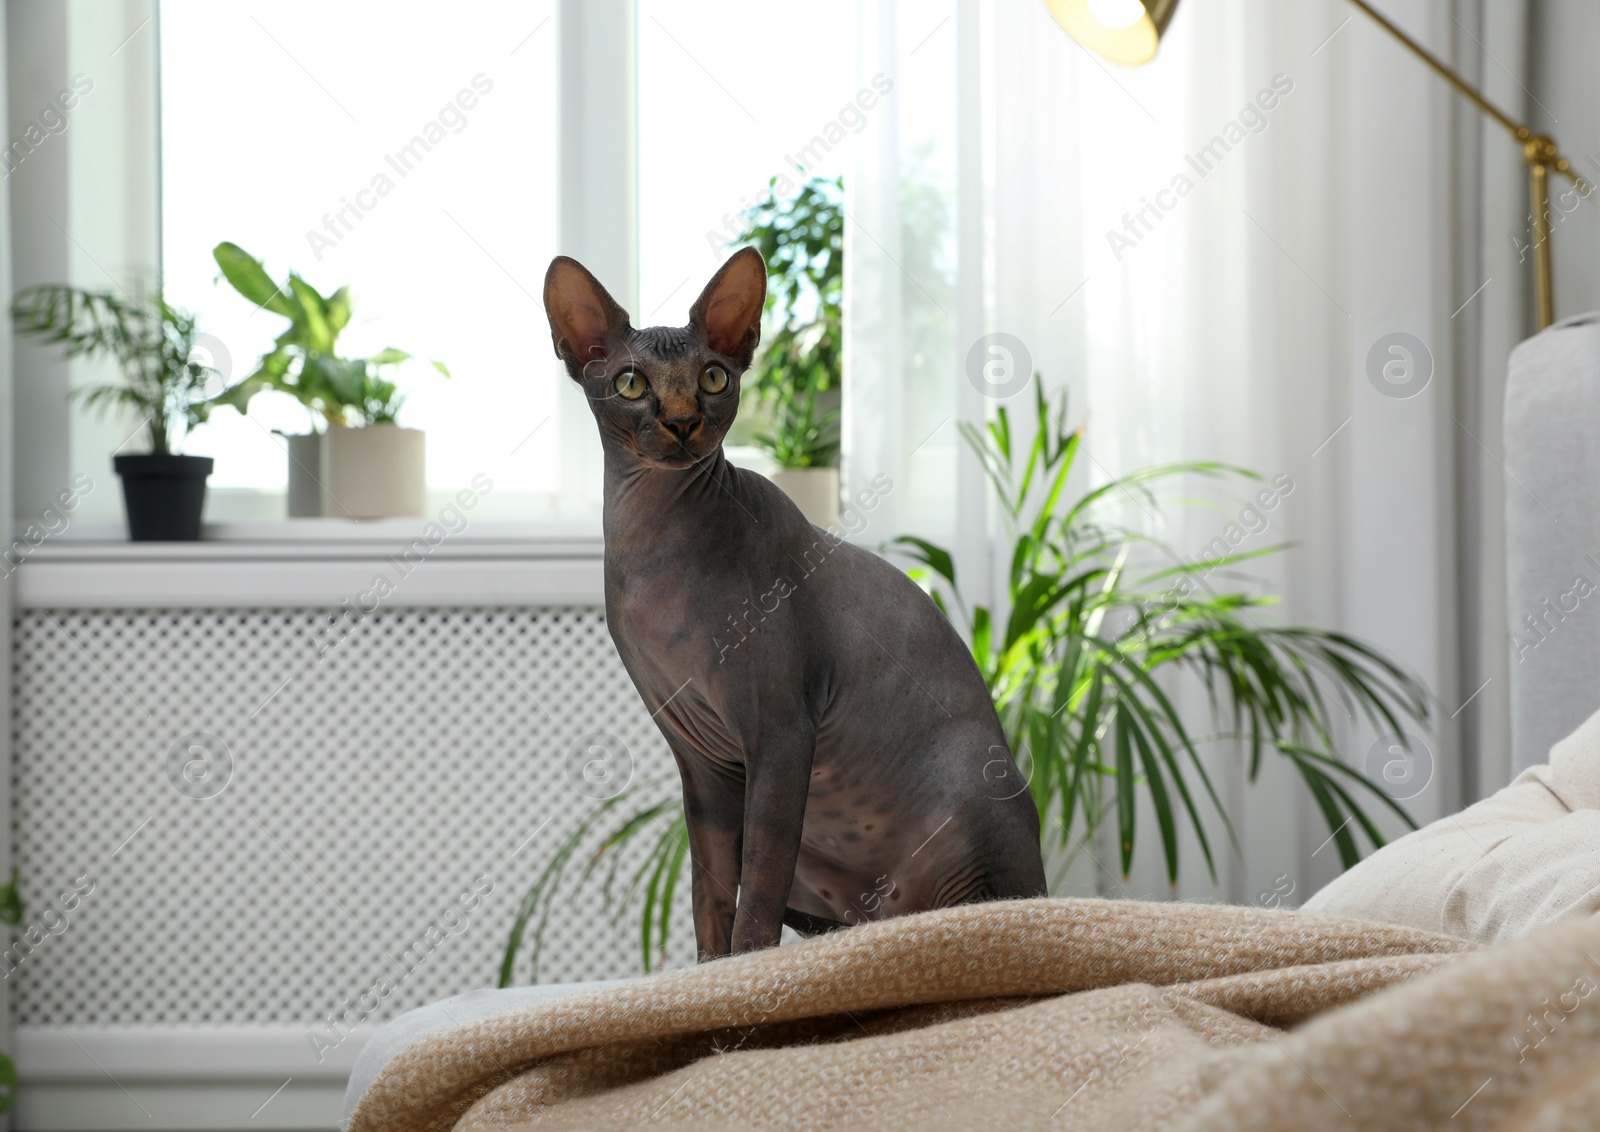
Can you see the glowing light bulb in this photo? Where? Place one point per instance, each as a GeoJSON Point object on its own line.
{"type": "Point", "coordinates": [1116, 14]}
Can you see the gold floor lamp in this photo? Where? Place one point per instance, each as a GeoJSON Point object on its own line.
{"type": "Point", "coordinates": [1128, 32]}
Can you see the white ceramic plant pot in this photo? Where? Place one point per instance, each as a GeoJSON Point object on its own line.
{"type": "Point", "coordinates": [814, 490]}
{"type": "Point", "coordinates": [376, 472]}
{"type": "Point", "coordinates": [306, 499]}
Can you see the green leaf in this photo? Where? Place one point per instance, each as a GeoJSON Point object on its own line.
{"type": "Point", "coordinates": [337, 310]}
{"type": "Point", "coordinates": [936, 558]}
{"type": "Point", "coordinates": [1031, 603]}
{"type": "Point", "coordinates": [662, 856]}
{"type": "Point", "coordinates": [319, 335]}
{"type": "Point", "coordinates": [679, 834]}
{"type": "Point", "coordinates": [1159, 802]}
{"type": "Point", "coordinates": [1126, 802]}
{"type": "Point", "coordinates": [342, 381]}
{"type": "Point", "coordinates": [1340, 831]}
{"type": "Point", "coordinates": [1350, 772]}
{"type": "Point", "coordinates": [251, 280]}
{"type": "Point", "coordinates": [11, 908]}
{"type": "Point", "coordinates": [981, 644]}
{"type": "Point", "coordinates": [1181, 733]}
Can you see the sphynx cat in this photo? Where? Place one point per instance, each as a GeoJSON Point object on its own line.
{"type": "Point", "coordinates": [840, 756]}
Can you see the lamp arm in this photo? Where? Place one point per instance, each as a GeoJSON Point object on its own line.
{"type": "Point", "coordinates": [1541, 154]}
{"type": "Point", "coordinates": [1444, 71]}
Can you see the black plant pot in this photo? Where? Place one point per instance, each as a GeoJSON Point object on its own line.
{"type": "Point", "coordinates": [164, 495]}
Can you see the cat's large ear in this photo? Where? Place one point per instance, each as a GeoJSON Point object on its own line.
{"type": "Point", "coordinates": [584, 320]}
{"type": "Point", "coordinates": [727, 315]}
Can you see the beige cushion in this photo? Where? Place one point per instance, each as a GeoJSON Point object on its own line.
{"type": "Point", "coordinates": [1523, 858]}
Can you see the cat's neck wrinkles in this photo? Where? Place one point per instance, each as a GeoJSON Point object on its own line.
{"type": "Point", "coordinates": [642, 501]}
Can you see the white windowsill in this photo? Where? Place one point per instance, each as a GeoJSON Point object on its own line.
{"type": "Point", "coordinates": [319, 537]}
{"type": "Point", "coordinates": [319, 563]}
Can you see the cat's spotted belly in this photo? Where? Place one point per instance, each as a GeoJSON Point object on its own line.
{"type": "Point", "coordinates": [853, 882]}
{"type": "Point", "coordinates": [894, 831]}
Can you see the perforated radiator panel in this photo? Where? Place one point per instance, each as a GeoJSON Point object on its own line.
{"type": "Point", "coordinates": [383, 772]}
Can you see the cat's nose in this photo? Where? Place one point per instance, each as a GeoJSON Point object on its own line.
{"type": "Point", "coordinates": [682, 426]}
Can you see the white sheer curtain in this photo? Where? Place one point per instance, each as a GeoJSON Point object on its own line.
{"type": "Point", "coordinates": [903, 265]}
{"type": "Point", "coordinates": [1212, 303]}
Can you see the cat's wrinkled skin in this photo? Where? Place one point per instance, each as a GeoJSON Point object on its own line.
{"type": "Point", "coordinates": [840, 756]}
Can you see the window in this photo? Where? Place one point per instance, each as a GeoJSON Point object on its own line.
{"type": "Point", "coordinates": [730, 95]}
{"type": "Point", "coordinates": [405, 149]}
{"type": "Point", "coordinates": [332, 140]}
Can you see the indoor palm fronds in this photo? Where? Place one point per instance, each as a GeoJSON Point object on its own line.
{"type": "Point", "coordinates": [1100, 626]}
{"type": "Point", "coordinates": [1101, 620]}
{"type": "Point", "coordinates": [654, 880]}
{"type": "Point", "coordinates": [164, 382]}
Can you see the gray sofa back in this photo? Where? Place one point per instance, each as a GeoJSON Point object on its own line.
{"type": "Point", "coordinates": [1552, 456]}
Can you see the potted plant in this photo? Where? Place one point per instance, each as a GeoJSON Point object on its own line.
{"type": "Point", "coordinates": [798, 372]}
{"type": "Point", "coordinates": [357, 461]}
{"type": "Point", "coordinates": [154, 342]}
{"type": "Point", "coordinates": [1099, 619]}
{"type": "Point", "coordinates": [372, 466]}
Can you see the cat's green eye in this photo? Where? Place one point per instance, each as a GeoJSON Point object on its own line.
{"type": "Point", "coordinates": [713, 379]}
{"type": "Point", "coordinates": [631, 384]}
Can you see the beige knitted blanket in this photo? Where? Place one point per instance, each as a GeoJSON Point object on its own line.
{"type": "Point", "coordinates": [1094, 1014]}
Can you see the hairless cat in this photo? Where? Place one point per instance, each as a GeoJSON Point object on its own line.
{"type": "Point", "coordinates": [840, 756]}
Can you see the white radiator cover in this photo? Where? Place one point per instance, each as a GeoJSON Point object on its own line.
{"type": "Point", "coordinates": [413, 774]}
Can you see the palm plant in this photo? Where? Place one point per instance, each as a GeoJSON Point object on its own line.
{"type": "Point", "coordinates": [153, 341]}
{"type": "Point", "coordinates": [652, 808]}
{"type": "Point", "coordinates": [1100, 620]}
{"type": "Point", "coordinates": [304, 360]}
{"type": "Point", "coordinates": [1100, 616]}
{"type": "Point", "coordinates": [797, 375]}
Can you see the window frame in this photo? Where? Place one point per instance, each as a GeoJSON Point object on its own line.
{"type": "Point", "coordinates": [597, 221]}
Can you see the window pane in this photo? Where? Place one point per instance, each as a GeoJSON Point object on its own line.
{"type": "Point", "coordinates": [725, 103]}
{"type": "Point", "coordinates": [335, 139]}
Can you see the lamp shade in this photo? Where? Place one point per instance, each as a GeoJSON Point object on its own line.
{"type": "Point", "coordinates": [1123, 31]}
